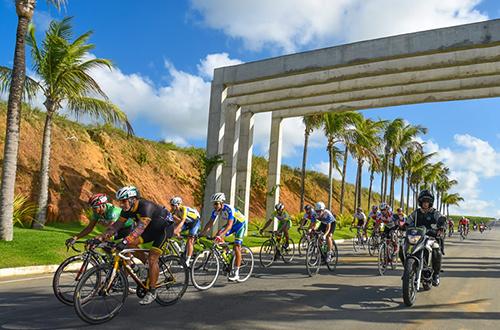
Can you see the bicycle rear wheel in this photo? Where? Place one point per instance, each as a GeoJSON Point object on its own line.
{"type": "Point", "coordinates": [247, 264]}
{"type": "Point", "coordinates": [303, 245]}
{"type": "Point", "coordinates": [382, 259]}
{"type": "Point", "coordinates": [371, 246]}
{"type": "Point", "coordinates": [289, 253]}
{"type": "Point", "coordinates": [313, 258]}
{"type": "Point", "coordinates": [355, 244]}
{"type": "Point", "coordinates": [92, 303]}
{"type": "Point", "coordinates": [267, 253]}
{"type": "Point", "coordinates": [173, 280]}
{"type": "Point", "coordinates": [205, 270]}
{"type": "Point", "coordinates": [67, 276]}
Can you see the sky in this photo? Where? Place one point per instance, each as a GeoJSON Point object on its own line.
{"type": "Point", "coordinates": [164, 54]}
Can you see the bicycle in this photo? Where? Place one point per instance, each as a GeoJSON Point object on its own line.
{"type": "Point", "coordinates": [304, 240]}
{"type": "Point", "coordinates": [374, 241]}
{"type": "Point", "coordinates": [358, 241]}
{"type": "Point", "coordinates": [70, 271]}
{"type": "Point", "coordinates": [463, 232]}
{"type": "Point", "coordinates": [206, 267]}
{"type": "Point", "coordinates": [388, 254]}
{"type": "Point", "coordinates": [102, 290]}
{"type": "Point", "coordinates": [317, 251]}
{"type": "Point", "coordinates": [272, 249]}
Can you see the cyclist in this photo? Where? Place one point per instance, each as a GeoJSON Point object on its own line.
{"type": "Point", "coordinates": [309, 215]}
{"type": "Point", "coordinates": [361, 222]}
{"type": "Point", "coordinates": [105, 214]}
{"type": "Point", "coordinates": [374, 215]}
{"type": "Point", "coordinates": [451, 225]}
{"type": "Point", "coordinates": [284, 222]}
{"type": "Point", "coordinates": [235, 224]}
{"type": "Point", "coordinates": [463, 225]}
{"type": "Point", "coordinates": [429, 217]}
{"type": "Point", "coordinates": [401, 216]}
{"type": "Point", "coordinates": [391, 223]}
{"type": "Point", "coordinates": [186, 219]}
{"type": "Point", "coordinates": [153, 224]}
{"type": "Point", "coordinates": [327, 227]}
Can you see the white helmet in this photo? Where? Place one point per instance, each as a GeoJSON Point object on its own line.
{"type": "Point", "coordinates": [319, 206]}
{"type": "Point", "coordinates": [279, 207]}
{"type": "Point", "coordinates": [176, 201]}
{"type": "Point", "coordinates": [218, 197]}
{"type": "Point", "coordinates": [127, 192]}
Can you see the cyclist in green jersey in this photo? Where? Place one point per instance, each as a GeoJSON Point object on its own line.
{"type": "Point", "coordinates": [284, 222]}
{"type": "Point", "coordinates": [105, 214]}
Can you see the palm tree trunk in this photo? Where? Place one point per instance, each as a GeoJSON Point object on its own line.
{"type": "Point", "coordinates": [303, 174]}
{"type": "Point", "coordinates": [382, 187]}
{"type": "Point", "coordinates": [342, 188]}
{"type": "Point", "coordinates": [448, 210]}
{"type": "Point", "coordinates": [386, 174]}
{"type": "Point", "coordinates": [330, 180]}
{"type": "Point", "coordinates": [12, 129]}
{"type": "Point", "coordinates": [359, 175]}
{"type": "Point", "coordinates": [372, 172]}
{"type": "Point", "coordinates": [393, 179]}
{"type": "Point", "coordinates": [408, 193]}
{"type": "Point", "coordinates": [402, 201]}
{"type": "Point", "coordinates": [44, 170]}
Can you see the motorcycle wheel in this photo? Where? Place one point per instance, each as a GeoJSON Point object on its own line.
{"type": "Point", "coordinates": [409, 288]}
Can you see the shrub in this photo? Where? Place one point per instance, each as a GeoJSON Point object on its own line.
{"type": "Point", "coordinates": [344, 220]}
{"type": "Point", "coordinates": [24, 211]}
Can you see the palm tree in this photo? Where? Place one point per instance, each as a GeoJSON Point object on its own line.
{"type": "Point", "coordinates": [375, 167]}
{"type": "Point", "coordinates": [311, 123]}
{"type": "Point", "coordinates": [451, 199]}
{"type": "Point", "coordinates": [415, 166]}
{"type": "Point", "coordinates": [406, 161]}
{"type": "Point", "coordinates": [14, 82]}
{"type": "Point", "coordinates": [64, 67]}
{"type": "Point", "coordinates": [391, 136]}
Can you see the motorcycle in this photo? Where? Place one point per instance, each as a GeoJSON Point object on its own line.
{"type": "Point", "coordinates": [417, 251]}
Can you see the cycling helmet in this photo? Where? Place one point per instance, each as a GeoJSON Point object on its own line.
{"type": "Point", "coordinates": [320, 206]}
{"type": "Point", "coordinates": [383, 206]}
{"type": "Point", "coordinates": [98, 200]}
{"type": "Point", "coordinates": [279, 207]}
{"type": "Point", "coordinates": [308, 208]}
{"type": "Point", "coordinates": [127, 192]}
{"type": "Point", "coordinates": [218, 197]}
{"type": "Point", "coordinates": [399, 209]}
{"type": "Point", "coordinates": [425, 195]}
{"type": "Point", "coordinates": [359, 209]}
{"type": "Point", "coordinates": [374, 207]}
{"type": "Point", "coordinates": [175, 201]}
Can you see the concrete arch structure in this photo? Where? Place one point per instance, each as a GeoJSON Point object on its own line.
{"type": "Point", "coordinates": [454, 63]}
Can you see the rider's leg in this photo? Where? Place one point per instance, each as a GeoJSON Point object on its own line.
{"type": "Point", "coordinates": [285, 232]}
{"type": "Point", "coordinates": [436, 265]}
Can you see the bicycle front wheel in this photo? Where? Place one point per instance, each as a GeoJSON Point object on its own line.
{"type": "Point", "coordinates": [247, 264]}
{"type": "Point", "coordinates": [67, 276]}
{"type": "Point", "coordinates": [93, 303]}
{"type": "Point", "coordinates": [313, 258]}
{"type": "Point", "coordinates": [303, 245]}
{"type": "Point", "coordinates": [382, 259]}
{"type": "Point", "coordinates": [289, 253]}
{"type": "Point", "coordinates": [173, 280]}
{"type": "Point", "coordinates": [267, 253]}
{"type": "Point", "coordinates": [334, 258]}
{"type": "Point", "coordinates": [205, 270]}
{"type": "Point", "coordinates": [355, 244]}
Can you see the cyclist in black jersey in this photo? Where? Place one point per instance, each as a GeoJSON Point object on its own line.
{"type": "Point", "coordinates": [153, 224]}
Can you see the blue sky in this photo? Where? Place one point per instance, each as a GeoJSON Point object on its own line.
{"type": "Point", "coordinates": [165, 51]}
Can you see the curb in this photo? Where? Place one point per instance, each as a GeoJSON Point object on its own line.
{"type": "Point", "coordinates": [46, 269]}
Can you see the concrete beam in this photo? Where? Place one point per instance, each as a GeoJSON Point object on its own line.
{"type": "Point", "coordinates": [244, 164]}
{"type": "Point", "coordinates": [215, 136]}
{"type": "Point", "coordinates": [453, 38]}
{"type": "Point", "coordinates": [274, 167]}
{"type": "Point", "coordinates": [378, 92]}
{"type": "Point", "coordinates": [324, 75]}
{"type": "Point", "coordinates": [230, 151]}
{"type": "Point", "coordinates": [391, 101]}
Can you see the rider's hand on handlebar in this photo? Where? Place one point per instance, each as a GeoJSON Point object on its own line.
{"type": "Point", "coordinates": [219, 239]}
{"type": "Point", "coordinates": [121, 246]}
{"type": "Point", "coordinates": [93, 242]}
{"type": "Point", "coordinates": [70, 241]}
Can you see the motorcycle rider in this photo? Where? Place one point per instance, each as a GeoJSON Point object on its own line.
{"type": "Point", "coordinates": [430, 218]}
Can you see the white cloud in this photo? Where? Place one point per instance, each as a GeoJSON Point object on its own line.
{"type": "Point", "coordinates": [323, 167]}
{"type": "Point", "coordinates": [290, 25]}
{"type": "Point", "coordinates": [212, 61]}
{"type": "Point", "coordinates": [41, 20]}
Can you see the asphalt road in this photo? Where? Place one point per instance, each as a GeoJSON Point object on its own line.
{"type": "Point", "coordinates": [284, 297]}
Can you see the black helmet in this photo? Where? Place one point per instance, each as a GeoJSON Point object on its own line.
{"type": "Point", "coordinates": [308, 208]}
{"type": "Point", "coordinates": [425, 195]}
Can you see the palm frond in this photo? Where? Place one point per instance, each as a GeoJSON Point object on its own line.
{"type": "Point", "coordinates": [31, 86]}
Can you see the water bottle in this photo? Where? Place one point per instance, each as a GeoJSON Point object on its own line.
{"type": "Point", "coordinates": [177, 247]}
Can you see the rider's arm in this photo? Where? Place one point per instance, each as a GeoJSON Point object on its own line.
{"type": "Point", "coordinates": [226, 228]}
{"type": "Point", "coordinates": [87, 230]}
{"type": "Point", "coordinates": [138, 230]}
{"type": "Point", "coordinates": [209, 224]}
{"type": "Point", "coordinates": [327, 229]}
{"type": "Point", "coordinates": [111, 230]}
{"type": "Point", "coordinates": [179, 221]}
{"type": "Point", "coordinates": [267, 224]}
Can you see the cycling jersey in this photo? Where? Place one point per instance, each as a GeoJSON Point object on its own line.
{"type": "Point", "coordinates": [310, 216]}
{"type": "Point", "coordinates": [227, 213]}
{"type": "Point", "coordinates": [188, 213]}
{"type": "Point", "coordinates": [326, 217]}
{"type": "Point", "coordinates": [111, 214]}
{"type": "Point", "coordinates": [361, 217]}
{"type": "Point", "coordinates": [388, 218]}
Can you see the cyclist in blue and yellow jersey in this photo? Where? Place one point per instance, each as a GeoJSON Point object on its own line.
{"type": "Point", "coordinates": [105, 214]}
{"type": "Point", "coordinates": [235, 224]}
{"type": "Point", "coordinates": [186, 219]}
{"type": "Point", "coordinates": [284, 222]}
{"type": "Point", "coordinates": [327, 227]}
{"type": "Point", "coordinates": [309, 215]}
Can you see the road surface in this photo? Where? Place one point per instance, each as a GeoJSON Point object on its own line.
{"type": "Point", "coordinates": [284, 297]}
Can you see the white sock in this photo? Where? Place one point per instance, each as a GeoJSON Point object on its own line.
{"type": "Point", "coordinates": [236, 271]}
{"type": "Point", "coordinates": [188, 260]}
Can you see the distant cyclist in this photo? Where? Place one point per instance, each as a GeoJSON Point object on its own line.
{"type": "Point", "coordinates": [360, 221]}
{"type": "Point", "coordinates": [309, 215]}
{"type": "Point", "coordinates": [374, 216]}
{"type": "Point", "coordinates": [284, 222]}
{"type": "Point", "coordinates": [327, 226]}
{"type": "Point", "coordinates": [186, 219]}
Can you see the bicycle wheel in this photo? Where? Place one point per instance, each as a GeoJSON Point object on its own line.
{"type": "Point", "coordinates": [289, 253]}
{"type": "Point", "coordinates": [67, 276]}
{"type": "Point", "coordinates": [313, 258]}
{"type": "Point", "coordinates": [332, 265]}
{"type": "Point", "coordinates": [247, 263]}
{"type": "Point", "coordinates": [92, 303]}
{"type": "Point", "coordinates": [205, 270]}
{"type": "Point", "coordinates": [382, 259]}
{"type": "Point", "coordinates": [371, 246]}
{"type": "Point", "coordinates": [303, 245]}
{"type": "Point", "coordinates": [173, 280]}
{"type": "Point", "coordinates": [355, 244]}
{"type": "Point", "coordinates": [267, 253]}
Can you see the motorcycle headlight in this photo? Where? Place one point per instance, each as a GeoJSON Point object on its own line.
{"type": "Point", "coordinates": [413, 239]}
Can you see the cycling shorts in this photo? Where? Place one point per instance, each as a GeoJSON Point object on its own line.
{"type": "Point", "coordinates": [322, 228]}
{"type": "Point", "coordinates": [284, 224]}
{"type": "Point", "coordinates": [193, 227]}
{"type": "Point", "coordinates": [158, 233]}
{"type": "Point", "coordinates": [238, 229]}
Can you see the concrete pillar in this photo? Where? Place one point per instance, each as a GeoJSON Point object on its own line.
{"type": "Point", "coordinates": [230, 151]}
{"type": "Point", "coordinates": [244, 164]}
{"type": "Point", "coordinates": [274, 168]}
{"type": "Point", "coordinates": [215, 136]}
